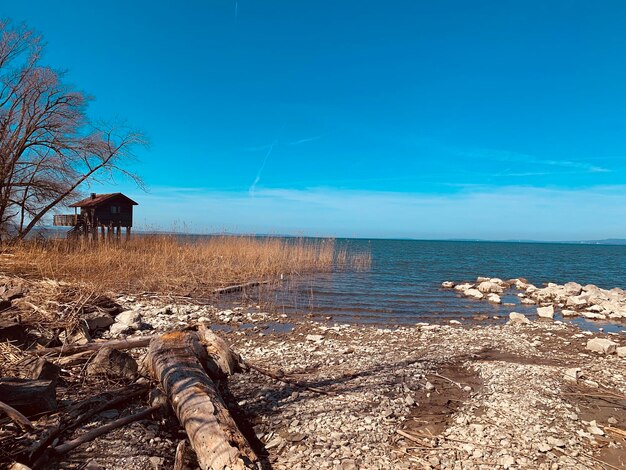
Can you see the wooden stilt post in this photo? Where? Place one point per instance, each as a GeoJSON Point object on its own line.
{"type": "Point", "coordinates": [109, 233]}
{"type": "Point", "coordinates": [118, 233]}
{"type": "Point", "coordinates": [102, 233]}
{"type": "Point", "coordinates": [127, 233]}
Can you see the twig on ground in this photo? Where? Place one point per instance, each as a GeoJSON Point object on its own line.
{"type": "Point", "coordinates": [37, 449]}
{"type": "Point", "coordinates": [17, 417]}
{"type": "Point", "coordinates": [282, 378]}
{"type": "Point", "coordinates": [589, 456]}
{"type": "Point", "coordinates": [446, 378]}
{"type": "Point", "coordinates": [413, 438]}
{"type": "Point", "coordinates": [118, 423]}
{"type": "Point", "coordinates": [130, 343]}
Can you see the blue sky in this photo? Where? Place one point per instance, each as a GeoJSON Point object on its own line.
{"type": "Point", "coordinates": [446, 119]}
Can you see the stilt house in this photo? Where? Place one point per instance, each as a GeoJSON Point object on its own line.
{"type": "Point", "coordinates": [104, 211]}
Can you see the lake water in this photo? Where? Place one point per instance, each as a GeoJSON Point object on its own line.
{"type": "Point", "coordinates": [403, 284]}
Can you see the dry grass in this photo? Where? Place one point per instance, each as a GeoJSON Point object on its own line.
{"type": "Point", "coordinates": [176, 265]}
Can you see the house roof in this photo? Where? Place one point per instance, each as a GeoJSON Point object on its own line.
{"type": "Point", "coordinates": [92, 201]}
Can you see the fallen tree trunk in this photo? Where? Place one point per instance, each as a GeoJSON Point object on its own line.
{"type": "Point", "coordinates": [180, 361]}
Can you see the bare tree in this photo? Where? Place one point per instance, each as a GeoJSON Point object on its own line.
{"type": "Point", "coordinates": [48, 145]}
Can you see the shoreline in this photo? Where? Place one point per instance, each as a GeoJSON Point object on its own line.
{"type": "Point", "coordinates": [419, 396]}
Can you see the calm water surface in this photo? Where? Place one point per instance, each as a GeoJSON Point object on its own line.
{"type": "Point", "coordinates": [403, 284]}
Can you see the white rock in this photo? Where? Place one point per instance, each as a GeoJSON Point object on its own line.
{"type": "Point", "coordinates": [454, 322]}
{"type": "Point", "coordinates": [488, 286]}
{"type": "Point", "coordinates": [573, 374]}
{"type": "Point", "coordinates": [569, 313]}
{"type": "Point", "coordinates": [595, 309]}
{"type": "Point", "coordinates": [601, 345]}
{"type": "Point", "coordinates": [494, 298]}
{"type": "Point", "coordinates": [546, 312]}
{"type": "Point", "coordinates": [593, 316]}
{"type": "Point", "coordinates": [507, 461]}
{"type": "Point", "coordinates": [463, 287]}
{"type": "Point", "coordinates": [595, 430]}
{"type": "Point", "coordinates": [447, 284]}
{"type": "Point", "coordinates": [474, 293]}
{"type": "Point", "coordinates": [556, 442]}
{"type": "Point", "coordinates": [519, 284]}
{"type": "Point", "coordinates": [129, 317]}
{"type": "Point", "coordinates": [544, 447]}
{"type": "Point", "coordinates": [527, 301]}
{"type": "Point", "coordinates": [621, 351]}
{"type": "Point", "coordinates": [577, 301]}
{"type": "Point", "coordinates": [573, 288]}
{"type": "Point", "coordinates": [315, 338]}
{"type": "Point", "coordinates": [118, 329]}
{"type": "Point", "coordinates": [515, 317]}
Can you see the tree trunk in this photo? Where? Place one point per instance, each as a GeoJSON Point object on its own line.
{"type": "Point", "coordinates": [179, 361]}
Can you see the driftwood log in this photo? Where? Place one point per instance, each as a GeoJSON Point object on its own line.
{"type": "Point", "coordinates": [186, 363]}
{"type": "Point", "coordinates": [30, 397]}
{"type": "Point", "coordinates": [238, 287]}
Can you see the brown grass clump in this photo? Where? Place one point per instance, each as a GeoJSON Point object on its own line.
{"type": "Point", "coordinates": [179, 265]}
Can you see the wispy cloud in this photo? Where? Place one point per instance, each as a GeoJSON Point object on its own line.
{"type": "Point", "coordinates": [527, 159]}
{"type": "Point", "coordinates": [529, 162]}
{"type": "Point", "coordinates": [306, 140]}
{"type": "Point", "coordinates": [516, 212]}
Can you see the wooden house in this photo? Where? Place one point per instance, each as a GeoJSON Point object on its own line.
{"type": "Point", "coordinates": [99, 211]}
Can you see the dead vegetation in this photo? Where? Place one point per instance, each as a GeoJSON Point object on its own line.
{"type": "Point", "coordinates": [176, 265]}
{"type": "Point", "coordinates": [53, 378]}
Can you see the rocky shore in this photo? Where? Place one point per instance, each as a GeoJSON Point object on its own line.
{"type": "Point", "coordinates": [525, 394]}
{"type": "Point", "coordinates": [570, 299]}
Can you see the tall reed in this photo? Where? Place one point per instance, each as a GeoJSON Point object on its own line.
{"type": "Point", "coordinates": [178, 264]}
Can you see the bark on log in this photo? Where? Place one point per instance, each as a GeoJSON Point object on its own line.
{"type": "Point", "coordinates": [179, 459]}
{"type": "Point", "coordinates": [178, 360]}
{"type": "Point", "coordinates": [30, 397]}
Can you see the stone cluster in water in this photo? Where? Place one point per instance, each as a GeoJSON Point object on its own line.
{"type": "Point", "coordinates": [572, 299]}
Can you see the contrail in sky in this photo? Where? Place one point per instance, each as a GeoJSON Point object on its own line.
{"type": "Point", "coordinates": [236, 9]}
{"type": "Point", "coordinates": [258, 175]}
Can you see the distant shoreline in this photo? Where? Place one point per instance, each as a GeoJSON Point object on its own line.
{"type": "Point", "coordinates": [607, 241]}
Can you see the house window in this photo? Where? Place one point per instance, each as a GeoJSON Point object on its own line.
{"type": "Point", "coordinates": [115, 210]}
